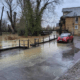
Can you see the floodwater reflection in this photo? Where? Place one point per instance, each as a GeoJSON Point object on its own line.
{"type": "Point", "coordinates": [6, 43]}
{"type": "Point", "coordinates": [49, 55]}
{"type": "Point", "coordinates": [51, 58]}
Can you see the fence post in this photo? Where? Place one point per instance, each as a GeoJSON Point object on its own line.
{"type": "Point", "coordinates": [38, 42]}
{"type": "Point", "coordinates": [24, 43]}
{"type": "Point", "coordinates": [19, 43]}
{"type": "Point", "coordinates": [43, 39]}
{"type": "Point", "coordinates": [28, 43]}
{"type": "Point", "coordinates": [34, 41]}
{"type": "Point", "coordinates": [54, 36]}
{"type": "Point", "coordinates": [49, 38]}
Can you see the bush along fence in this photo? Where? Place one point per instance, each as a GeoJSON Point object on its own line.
{"type": "Point", "coordinates": [24, 44]}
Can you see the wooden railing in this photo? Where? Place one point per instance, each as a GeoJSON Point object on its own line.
{"type": "Point", "coordinates": [37, 42]}
{"type": "Point", "coordinates": [24, 43]}
{"type": "Point", "coordinates": [13, 44]}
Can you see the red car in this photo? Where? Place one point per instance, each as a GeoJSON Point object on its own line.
{"type": "Point", "coordinates": [65, 37]}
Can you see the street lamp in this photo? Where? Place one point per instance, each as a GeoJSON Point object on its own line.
{"type": "Point", "coordinates": [60, 24]}
{"type": "Point", "coordinates": [75, 16]}
{"type": "Point", "coordinates": [73, 28]}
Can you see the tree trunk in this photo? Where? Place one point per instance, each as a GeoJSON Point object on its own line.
{"type": "Point", "coordinates": [0, 28]}
{"type": "Point", "coordinates": [14, 23]}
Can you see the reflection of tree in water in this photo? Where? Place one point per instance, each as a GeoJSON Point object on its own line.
{"type": "Point", "coordinates": [0, 53]}
{"type": "Point", "coordinates": [70, 54]}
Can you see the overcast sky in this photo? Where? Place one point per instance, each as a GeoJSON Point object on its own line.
{"type": "Point", "coordinates": [66, 4]}
{"type": "Point", "coordinates": [58, 10]}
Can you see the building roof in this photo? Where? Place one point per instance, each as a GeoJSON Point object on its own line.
{"type": "Point", "coordinates": [74, 11]}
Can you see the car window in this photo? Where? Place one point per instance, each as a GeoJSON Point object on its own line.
{"type": "Point", "coordinates": [65, 35]}
{"type": "Point", "coordinates": [69, 35]}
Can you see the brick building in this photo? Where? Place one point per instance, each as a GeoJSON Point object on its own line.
{"type": "Point", "coordinates": [72, 20]}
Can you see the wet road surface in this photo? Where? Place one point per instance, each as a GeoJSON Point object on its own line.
{"type": "Point", "coordinates": [46, 62]}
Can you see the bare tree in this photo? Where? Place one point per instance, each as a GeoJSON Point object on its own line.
{"type": "Point", "coordinates": [4, 25]}
{"type": "Point", "coordinates": [11, 6]}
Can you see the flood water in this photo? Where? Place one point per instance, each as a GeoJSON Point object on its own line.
{"type": "Point", "coordinates": [47, 61]}
{"type": "Point", "coordinates": [5, 43]}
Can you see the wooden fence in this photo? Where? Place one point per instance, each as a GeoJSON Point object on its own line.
{"type": "Point", "coordinates": [24, 44]}
{"type": "Point", "coordinates": [37, 42]}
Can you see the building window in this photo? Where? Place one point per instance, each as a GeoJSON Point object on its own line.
{"type": "Point", "coordinates": [76, 20]}
{"type": "Point", "coordinates": [76, 26]}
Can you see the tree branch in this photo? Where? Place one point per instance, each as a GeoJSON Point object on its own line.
{"type": "Point", "coordinates": [52, 2]}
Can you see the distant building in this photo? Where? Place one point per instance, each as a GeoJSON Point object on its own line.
{"type": "Point", "coordinates": [72, 20]}
{"type": "Point", "coordinates": [57, 27]}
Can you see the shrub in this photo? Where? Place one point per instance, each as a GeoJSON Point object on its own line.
{"type": "Point", "coordinates": [21, 32]}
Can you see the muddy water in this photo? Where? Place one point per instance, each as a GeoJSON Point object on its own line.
{"type": "Point", "coordinates": [50, 58]}
{"type": "Point", "coordinates": [6, 43]}
{"type": "Point", "coordinates": [52, 36]}
{"type": "Point", "coordinates": [15, 56]}
{"type": "Point", "coordinates": [49, 55]}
